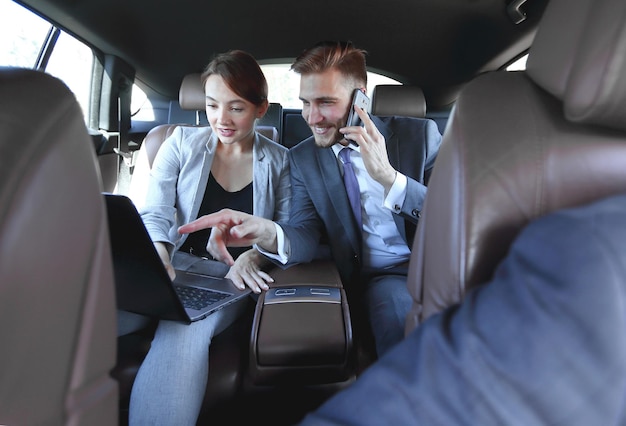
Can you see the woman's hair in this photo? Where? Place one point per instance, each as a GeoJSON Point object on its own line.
{"type": "Point", "coordinates": [341, 55]}
{"type": "Point", "coordinates": [242, 74]}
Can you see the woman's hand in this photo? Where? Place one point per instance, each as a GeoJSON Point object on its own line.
{"type": "Point", "coordinates": [233, 228]}
{"type": "Point", "coordinates": [247, 271]}
{"type": "Point", "coordinates": [217, 246]}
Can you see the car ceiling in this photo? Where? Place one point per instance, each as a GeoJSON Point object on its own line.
{"type": "Point", "coordinates": [436, 44]}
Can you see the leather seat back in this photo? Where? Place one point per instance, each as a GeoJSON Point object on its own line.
{"type": "Point", "coordinates": [57, 303]}
{"type": "Point", "coordinates": [520, 145]}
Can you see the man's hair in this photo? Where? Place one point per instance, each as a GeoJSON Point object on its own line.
{"type": "Point", "coordinates": [340, 55]}
{"type": "Point", "coordinates": [242, 75]}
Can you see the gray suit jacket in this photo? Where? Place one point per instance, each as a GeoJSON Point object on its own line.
{"type": "Point", "coordinates": [320, 203]}
{"type": "Point", "coordinates": [180, 173]}
{"type": "Point", "coordinates": [541, 344]}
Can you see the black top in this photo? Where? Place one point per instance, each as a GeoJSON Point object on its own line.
{"type": "Point", "coordinates": [216, 198]}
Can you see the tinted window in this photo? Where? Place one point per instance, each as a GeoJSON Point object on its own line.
{"type": "Point", "coordinates": [284, 85]}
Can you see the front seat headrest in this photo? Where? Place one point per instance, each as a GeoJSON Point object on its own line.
{"type": "Point", "coordinates": [580, 58]}
{"type": "Point", "coordinates": [394, 99]}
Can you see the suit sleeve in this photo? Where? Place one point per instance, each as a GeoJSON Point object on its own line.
{"type": "Point", "coordinates": [542, 343]}
{"type": "Point", "coordinates": [303, 229]}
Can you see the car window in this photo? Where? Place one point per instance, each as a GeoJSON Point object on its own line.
{"type": "Point", "coordinates": [22, 33]}
{"type": "Point", "coordinates": [518, 65]}
{"type": "Point", "coordinates": [78, 76]}
{"type": "Point", "coordinates": [24, 38]}
{"type": "Point", "coordinates": [284, 84]}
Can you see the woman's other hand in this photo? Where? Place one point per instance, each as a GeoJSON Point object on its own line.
{"type": "Point", "coordinates": [247, 271]}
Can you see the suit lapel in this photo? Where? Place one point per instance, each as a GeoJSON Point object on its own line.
{"type": "Point", "coordinates": [335, 189]}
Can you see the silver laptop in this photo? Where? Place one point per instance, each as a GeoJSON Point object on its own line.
{"type": "Point", "coordinates": [142, 283]}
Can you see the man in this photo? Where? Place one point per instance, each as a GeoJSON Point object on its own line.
{"type": "Point", "coordinates": [393, 158]}
{"type": "Point", "coordinates": [541, 344]}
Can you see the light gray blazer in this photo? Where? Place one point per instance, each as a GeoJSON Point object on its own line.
{"type": "Point", "coordinates": [180, 173]}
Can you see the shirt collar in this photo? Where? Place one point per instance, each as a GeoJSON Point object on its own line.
{"type": "Point", "coordinates": [338, 147]}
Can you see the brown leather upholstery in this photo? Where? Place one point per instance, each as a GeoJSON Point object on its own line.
{"type": "Point", "coordinates": [298, 337]}
{"type": "Point", "coordinates": [522, 144]}
{"type": "Point", "coordinates": [57, 302]}
{"type": "Point", "coordinates": [394, 99]}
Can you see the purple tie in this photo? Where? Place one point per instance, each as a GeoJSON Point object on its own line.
{"type": "Point", "coordinates": [352, 185]}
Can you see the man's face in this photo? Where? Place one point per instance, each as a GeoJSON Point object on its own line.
{"type": "Point", "coordinates": [326, 101]}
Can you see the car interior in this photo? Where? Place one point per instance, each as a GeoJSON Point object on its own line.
{"type": "Point", "coordinates": [517, 144]}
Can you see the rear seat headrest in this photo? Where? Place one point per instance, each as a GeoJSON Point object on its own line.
{"type": "Point", "coordinates": [269, 132]}
{"type": "Point", "coordinates": [394, 99]}
{"type": "Point", "coordinates": [191, 95]}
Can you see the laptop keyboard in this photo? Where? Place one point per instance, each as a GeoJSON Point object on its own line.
{"type": "Point", "coordinates": [198, 298]}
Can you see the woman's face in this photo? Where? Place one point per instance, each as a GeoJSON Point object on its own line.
{"type": "Point", "coordinates": [231, 117]}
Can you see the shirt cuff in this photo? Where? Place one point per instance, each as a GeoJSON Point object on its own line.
{"type": "Point", "coordinates": [282, 245]}
{"type": "Point", "coordinates": [397, 194]}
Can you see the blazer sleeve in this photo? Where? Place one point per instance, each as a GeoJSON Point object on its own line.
{"type": "Point", "coordinates": [303, 230]}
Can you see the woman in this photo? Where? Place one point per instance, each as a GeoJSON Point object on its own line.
{"type": "Point", "coordinates": [199, 171]}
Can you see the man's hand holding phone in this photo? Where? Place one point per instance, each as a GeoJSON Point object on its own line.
{"type": "Point", "coordinates": [373, 148]}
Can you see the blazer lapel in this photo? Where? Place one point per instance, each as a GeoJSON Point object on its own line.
{"type": "Point", "coordinates": [260, 181]}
